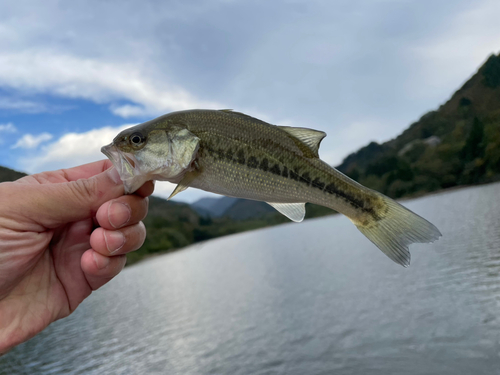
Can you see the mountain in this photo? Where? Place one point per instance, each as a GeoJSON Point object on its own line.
{"type": "Point", "coordinates": [233, 208]}
{"type": "Point", "coordinates": [170, 225]}
{"type": "Point", "coordinates": [457, 144]}
{"type": "Point", "coordinates": [202, 206]}
{"type": "Point", "coordinates": [7, 174]}
{"type": "Point", "coordinates": [244, 209]}
{"type": "Point", "coordinates": [213, 207]}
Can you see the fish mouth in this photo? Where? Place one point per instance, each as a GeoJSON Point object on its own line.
{"type": "Point", "coordinates": [125, 164]}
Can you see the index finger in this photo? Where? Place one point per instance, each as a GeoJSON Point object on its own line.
{"type": "Point", "coordinates": [86, 170]}
{"type": "Point", "coordinates": [91, 169]}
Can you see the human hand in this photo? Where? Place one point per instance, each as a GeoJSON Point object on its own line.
{"type": "Point", "coordinates": [63, 234]}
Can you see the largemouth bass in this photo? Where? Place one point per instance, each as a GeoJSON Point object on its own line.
{"type": "Point", "coordinates": [233, 154]}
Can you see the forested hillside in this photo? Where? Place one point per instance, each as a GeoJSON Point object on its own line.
{"type": "Point", "coordinates": [457, 144]}
{"type": "Point", "coordinates": [7, 174]}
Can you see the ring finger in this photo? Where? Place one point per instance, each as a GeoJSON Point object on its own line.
{"type": "Point", "coordinates": [119, 241]}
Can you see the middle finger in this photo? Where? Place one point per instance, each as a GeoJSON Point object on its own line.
{"type": "Point", "coordinates": [123, 211]}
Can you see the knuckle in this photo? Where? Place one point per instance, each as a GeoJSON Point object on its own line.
{"type": "Point", "coordinates": [84, 188]}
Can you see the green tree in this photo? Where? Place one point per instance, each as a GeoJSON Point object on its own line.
{"type": "Point", "coordinates": [491, 72]}
{"type": "Point", "coordinates": [474, 146]}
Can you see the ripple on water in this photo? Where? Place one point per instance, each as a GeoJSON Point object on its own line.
{"type": "Point", "coordinates": [315, 298]}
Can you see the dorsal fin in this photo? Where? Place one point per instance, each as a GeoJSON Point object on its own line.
{"type": "Point", "coordinates": [310, 137]}
{"type": "Point", "coordinates": [242, 115]}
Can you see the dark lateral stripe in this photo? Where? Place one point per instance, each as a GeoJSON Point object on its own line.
{"type": "Point", "coordinates": [285, 172]}
{"type": "Point", "coordinates": [306, 178]}
{"type": "Point", "coordinates": [275, 169]}
{"type": "Point", "coordinates": [210, 150]}
{"type": "Point", "coordinates": [318, 184]}
{"type": "Point", "coordinates": [355, 202]}
{"type": "Point", "coordinates": [221, 153]}
{"type": "Point", "coordinates": [240, 157]}
{"type": "Point", "coordinates": [252, 162]}
{"type": "Point", "coordinates": [264, 165]}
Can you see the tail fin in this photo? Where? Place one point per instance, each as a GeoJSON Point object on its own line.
{"type": "Point", "coordinates": [396, 229]}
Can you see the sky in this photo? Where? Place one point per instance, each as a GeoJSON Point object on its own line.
{"type": "Point", "coordinates": [73, 74]}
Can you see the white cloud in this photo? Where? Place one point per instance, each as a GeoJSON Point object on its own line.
{"type": "Point", "coordinates": [7, 128]}
{"type": "Point", "coordinates": [30, 106]}
{"type": "Point", "coordinates": [448, 59]}
{"type": "Point", "coordinates": [358, 70]}
{"type": "Point", "coordinates": [22, 105]}
{"type": "Point", "coordinates": [127, 110]}
{"type": "Point", "coordinates": [43, 71]}
{"type": "Point", "coordinates": [70, 150]}
{"type": "Point", "coordinates": [29, 141]}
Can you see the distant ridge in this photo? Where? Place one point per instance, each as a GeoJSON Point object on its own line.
{"type": "Point", "coordinates": [455, 145]}
{"type": "Point", "coordinates": [214, 207]}
{"type": "Point", "coordinates": [7, 174]}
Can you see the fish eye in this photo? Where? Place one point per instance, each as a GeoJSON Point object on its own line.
{"type": "Point", "coordinates": [136, 139]}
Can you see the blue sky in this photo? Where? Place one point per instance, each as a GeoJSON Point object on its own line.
{"type": "Point", "coordinates": [72, 74]}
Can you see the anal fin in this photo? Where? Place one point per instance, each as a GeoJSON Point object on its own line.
{"type": "Point", "coordinates": [293, 211]}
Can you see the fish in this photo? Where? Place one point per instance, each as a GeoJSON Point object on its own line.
{"type": "Point", "coordinates": [233, 154]}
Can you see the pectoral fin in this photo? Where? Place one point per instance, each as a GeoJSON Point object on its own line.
{"type": "Point", "coordinates": [293, 211]}
{"type": "Point", "coordinates": [184, 183]}
{"type": "Point", "coordinates": [178, 189]}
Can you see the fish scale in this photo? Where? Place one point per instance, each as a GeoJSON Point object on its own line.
{"type": "Point", "coordinates": [233, 154]}
{"type": "Point", "coordinates": [271, 148]}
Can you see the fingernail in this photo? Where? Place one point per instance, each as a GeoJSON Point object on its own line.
{"type": "Point", "coordinates": [114, 175]}
{"type": "Point", "coordinates": [119, 214]}
{"type": "Point", "coordinates": [100, 261]}
{"type": "Point", "coordinates": [114, 240]}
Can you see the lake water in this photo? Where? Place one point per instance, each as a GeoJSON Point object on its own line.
{"type": "Point", "coordinates": [310, 298]}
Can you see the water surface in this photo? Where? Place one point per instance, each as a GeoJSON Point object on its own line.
{"type": "Point", "coordinates": [310, 298]}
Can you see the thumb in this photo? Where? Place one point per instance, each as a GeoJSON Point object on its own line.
{"type": "Point", "coordinates": [54, 204]}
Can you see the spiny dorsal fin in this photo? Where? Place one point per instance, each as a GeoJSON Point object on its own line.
{"type": "Point", "coordinates": [293, 211]}
{"type": "Point", "coordinates": [310, 137]}
{"type": "Point", "coordinates": [242, 115]}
